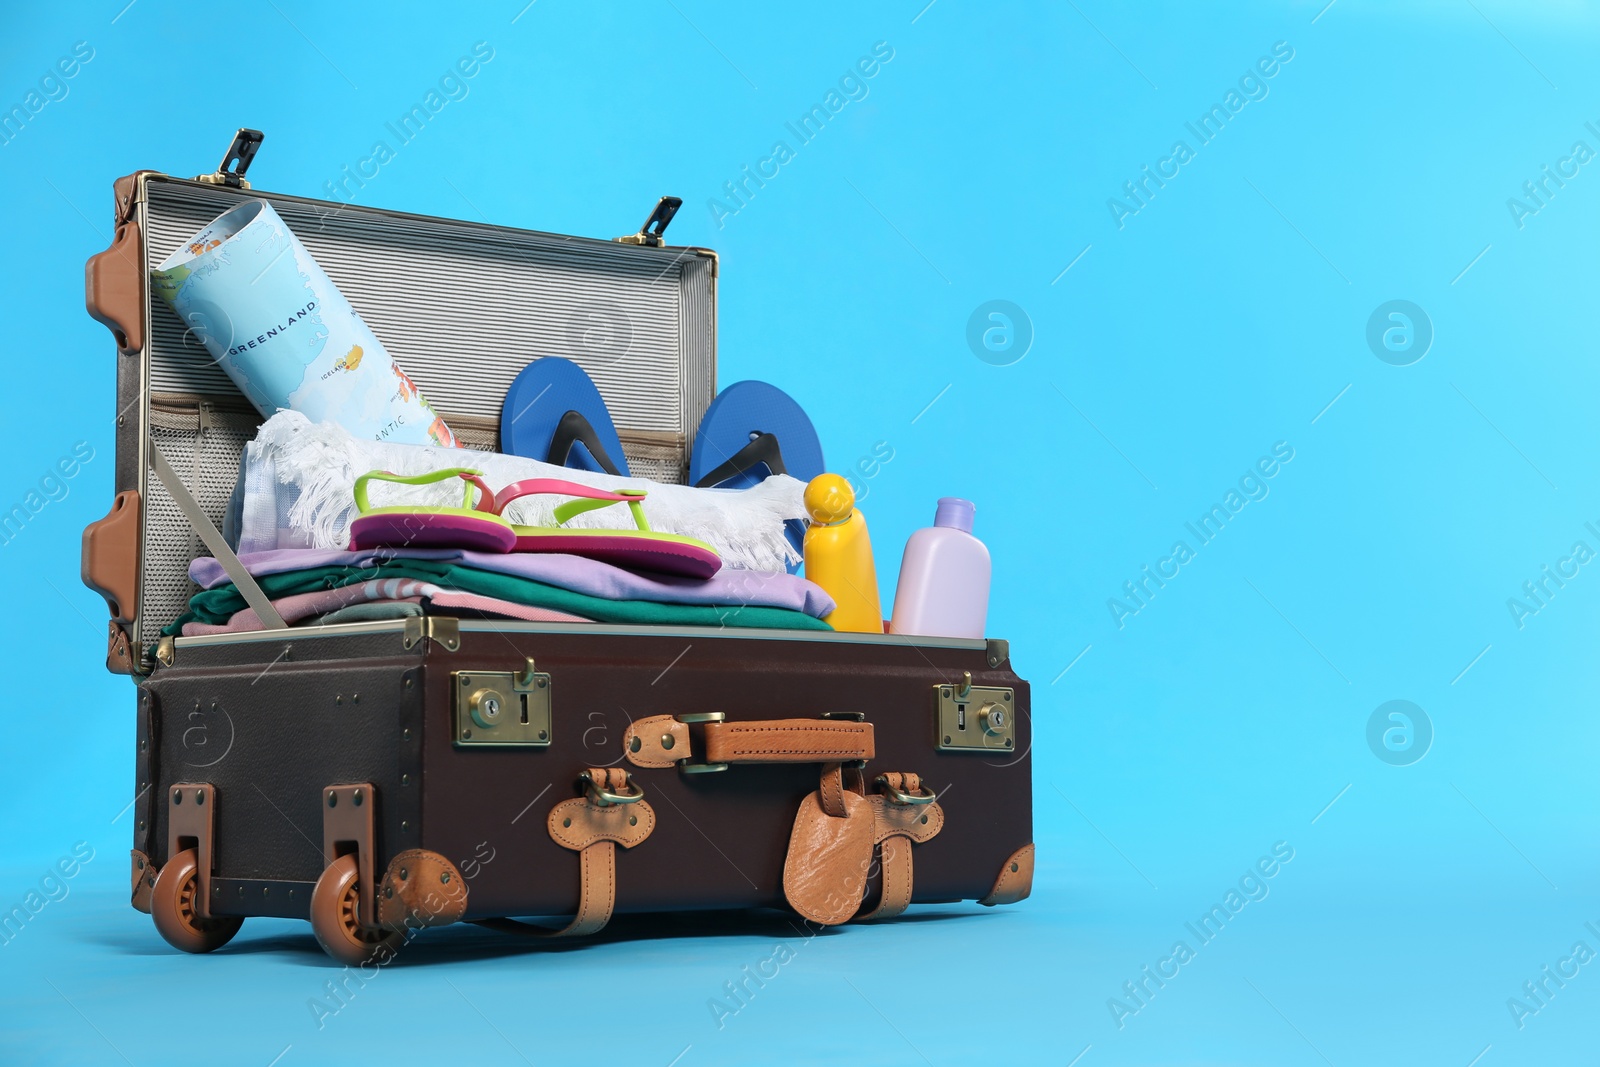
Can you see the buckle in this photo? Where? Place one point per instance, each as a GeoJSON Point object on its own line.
{"type": "Point", "coordinates": [604, 798]}
{"type": "Point", "coordinates": [686, 766]}
{"type": "Point", "coordinates": [900, 796]}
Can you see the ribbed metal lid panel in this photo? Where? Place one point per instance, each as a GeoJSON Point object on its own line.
{"type": "Point", "coordinates": [463, 306]}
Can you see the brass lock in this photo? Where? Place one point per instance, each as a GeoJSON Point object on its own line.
{"type": "Point", "coordinates": [971, 718]}
{"type": "Point", "coordinates": [485, 705]}
{"type": "Point", "coordinates": [499, 708]}
{"type": "Point", "coordinates": [992, 717]}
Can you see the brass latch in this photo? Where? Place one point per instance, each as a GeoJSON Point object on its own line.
{"type": "Point", "coordinates": [974, 718]}
{"type": "Point", "coordinates": [652, 233]}
{"type": "Point", "coordinates": [236, 160]}
{"type": "Point", "coordinates": [499, 708]}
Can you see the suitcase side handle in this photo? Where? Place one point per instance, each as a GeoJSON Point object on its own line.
{"type": "Point", "coordinates": [113, 288]}
{"type": "Point", "coordinates": [110, 566]}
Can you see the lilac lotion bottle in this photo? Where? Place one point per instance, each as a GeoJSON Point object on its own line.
{"type": "Point", "coordinates": [944, 577]}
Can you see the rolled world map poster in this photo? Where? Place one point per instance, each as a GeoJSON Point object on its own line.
{"type": "Point", "coordinates": [275, 322]}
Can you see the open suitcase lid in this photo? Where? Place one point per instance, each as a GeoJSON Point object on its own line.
{"type": "Point", "coordinates": [462, 306]}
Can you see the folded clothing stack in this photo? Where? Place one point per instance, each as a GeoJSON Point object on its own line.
{"type": "Point", "coordinates": [326, 586]}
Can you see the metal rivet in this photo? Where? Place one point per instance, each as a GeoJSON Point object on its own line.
{"type": "Point", "coordinates": [633, 820]}
{"type": "Point", "coordinates": [544, 735]}
{"type": "Point", "coordinates": [291, 894]}
{"type": "Point", "coordinates": [405, 735]}
{"type": "Point", "coordinates": [945, 691]}
{"type": "Point", "coordinates": [265, 890]}
{"type": "Point", "coordinates": [177, 796]}
{"type": "Point", "coordinates": [466, 735]}
{"type": "Point", "coordinates": [444, 877]}
{"type": "Point", "coordinates": [465, 680]}
{"type": "Point", "coordinates": [1013, 868]}
{"type": "Point", "coordinates": [143, 746]}
{"type": "Point", "coordinates": [355, 698]}
{"type": "Point", "coordinates": [403, 874]}
{"type": "Point", "coordinates": [388, 892]}
{"type": "Point", "coordinates": [199, 796]}
{"type": "Point", "coordinates": [404, 825]}
{"type": "Point", "coordinates": [566, 822]}
{"type": "Point", "coordinates": [635, 744]}
{"type": "Point", "coordinates": [152, 881]}
{"type": "Point", "coordinates": [333, 800]}
{"type": "Point", "coordinates": [542, 683]}
{"type": "Point", "coordinates": [1008, 696]}
{"type": "Point", "coordinates": [338, 700]}
{"type": "Point", "coordinates": [408, 683]}
{"type": "Point", "coordinates": [241, 891]}
{"type": "Point", "coordinates": [141, 865]}
{"type": "Point", "coordinates": [667, 741]}
{"type": "Point", "coordinates": [405, 779]}
{"type": "Point", "coordinates": [1008, 742]}
{"type": "Point", "coordinates": [141, 824]}
{"type": "Point", "coordinates": [947, 739]}
{"type": "Point", "coordinates": [924, 818]}
{"type": "Point", "coordinates": [357, 798]}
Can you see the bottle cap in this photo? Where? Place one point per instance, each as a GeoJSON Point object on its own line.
{"type": "Point", "coordinates": [954, 513]}
{"type": "Point", "coordinates": [829, 499]}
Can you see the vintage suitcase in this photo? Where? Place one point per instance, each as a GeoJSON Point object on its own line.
{"type": "Point", "coordinates": [377, 778]}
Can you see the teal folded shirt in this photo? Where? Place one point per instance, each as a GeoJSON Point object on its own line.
{"type": "Point", "coordinates": [218, 605]}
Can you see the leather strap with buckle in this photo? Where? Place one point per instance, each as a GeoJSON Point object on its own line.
{"type": "Point", "coordinates": [610, 811]}
{"type": "Point", "coordinates": [903, 813]}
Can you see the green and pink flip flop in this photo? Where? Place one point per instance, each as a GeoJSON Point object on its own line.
{"type": "Point", "coordinates": [481, 525]}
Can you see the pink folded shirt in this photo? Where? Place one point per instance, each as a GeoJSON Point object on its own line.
{"type": "Point", "coordinates": [301, 606]}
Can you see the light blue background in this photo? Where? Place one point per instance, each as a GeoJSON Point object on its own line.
{"type": "Point", "coordinates": [1224, 317]}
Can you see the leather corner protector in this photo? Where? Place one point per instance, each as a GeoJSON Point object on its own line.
{"type": "Point", "coordinates": [144, 881]}
{"type": "Point", "coordinates": [646, 742]}
{"type": "Point", "coordinates": [921, 823]}
{"type": "Point", "coordinates": [113, 288]}
{"type": "Point", "coordinates": [125, 191]}
{"type": "Point", "coordinates": [580, 822]}
{"type": "Point", "coordinates": [825, 870]}
{"type": "Point", "coordinates": [119, 649]}
{"type": "Point", "coordinates": [421, 888]}
{"type": "Point", "coordinates": [1015, 881]}
{"type": "Point", "coordinates": [110, 558]}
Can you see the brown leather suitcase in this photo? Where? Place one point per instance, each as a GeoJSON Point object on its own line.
{"type": "Point", "coordinates": [380, 777]}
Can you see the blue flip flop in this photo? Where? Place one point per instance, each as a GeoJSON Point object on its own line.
{"type": "Point", "coordinates": [750, 431]}
{"type": "Point", "coordinates": [554, 413]}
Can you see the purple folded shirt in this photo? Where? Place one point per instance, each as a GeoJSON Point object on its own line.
{"type": "Point", "coordinates": [581, 575]}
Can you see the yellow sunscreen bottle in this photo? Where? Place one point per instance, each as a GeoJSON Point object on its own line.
{"type": "Point", "coordinates": [838, 555]}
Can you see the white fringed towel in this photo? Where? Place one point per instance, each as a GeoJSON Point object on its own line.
{"type": "Point", "coordinates": [300, 479]}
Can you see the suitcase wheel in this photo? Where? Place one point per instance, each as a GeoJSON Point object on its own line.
{"type": "Point", "coordinates": [172, 907]}
{"type": "Point", "coordinates": [336, 921]}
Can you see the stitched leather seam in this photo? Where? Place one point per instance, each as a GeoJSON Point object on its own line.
{"type": "Point", "coordinates": [808, 728]}
{"type": "Point", "coordinates": [736, 750]}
